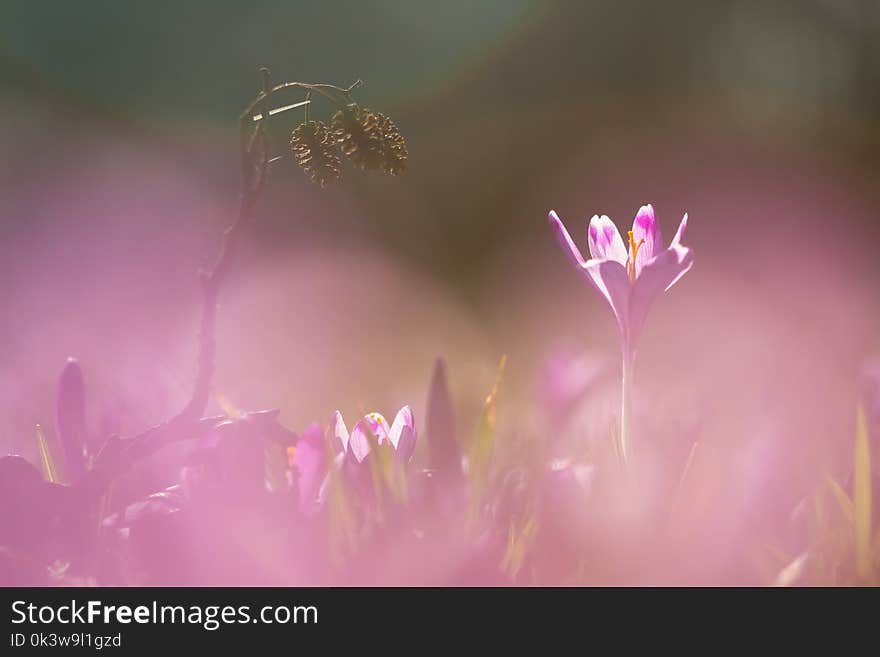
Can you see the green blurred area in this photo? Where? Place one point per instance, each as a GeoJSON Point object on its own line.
{"type": "Point", "coordinates": [495, 97]}
{"type": "Point", "coordinates": [192, 61]}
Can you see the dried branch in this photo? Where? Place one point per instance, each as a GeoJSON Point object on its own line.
{"type": "Point", "coordinates": [118, 454]}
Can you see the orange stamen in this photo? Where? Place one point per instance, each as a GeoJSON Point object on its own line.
{"type": "Point", "coordinates": [631, 261]}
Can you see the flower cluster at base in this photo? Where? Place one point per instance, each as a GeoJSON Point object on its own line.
{"type": "Point", "coordinates": [351, 450]}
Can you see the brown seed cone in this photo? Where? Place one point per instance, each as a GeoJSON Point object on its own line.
{"type": "Point", "coordinates": [314, 148]}
{"type": "Point", "coordinates": [356, 130]}
{"type": "Point", "coordinates": [370, 139]}
{"type": "Point", "coordinates": [394, 152]}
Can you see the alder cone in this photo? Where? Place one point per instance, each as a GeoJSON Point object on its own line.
{"type": "Point", "coordinates": [394, 152]}
{"type": "Point", "coordinates": [314, 148]}
{"type": "Point", "coordinates": [370, 140]}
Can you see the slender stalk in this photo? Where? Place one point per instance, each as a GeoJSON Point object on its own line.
{"type": "Point", "coordinates": [626, 405]}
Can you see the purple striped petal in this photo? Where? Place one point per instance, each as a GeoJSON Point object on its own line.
{"type": "Point", "coordinates": [679, 234]}
{"type": "Point", "coordinates": [605, 240]}
{"type": "Point", "coordinates": [608, 277]}
{"type": "Point", "coordinates": [647, 228]}
{"type": "Point", "coordinates": [569, 248]}
{"type": "Point", "coordinates": [340, 431]}
{"type": "Point", "coordinates": [612, 281]}
{"type": "Point", "coordinates": [359, 444]}
{"type": "Point", "coordinates": [657, 276]}
{"type": "Point", "coordinates": [676, 244]}
{"type": "Point", "coordinates": [404, 418]}
{"type": "Point", "coordinates": [407, 444]}
{"type": "Point", "coordinates": [403, 433]}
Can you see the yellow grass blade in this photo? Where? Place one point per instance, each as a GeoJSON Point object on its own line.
{"type": "Point", "coordinates": [519, 542]}
{"type": "Point", "coordinates": [793, 572]}
{"type": "Point", "coordinates": [846, 504]}
{"type": "Point", "coordinates": [862, 496]}
{"type": "Point", "coordinates": [877, 550]}
{"type": "Point", "coordinates": [47, 462]}
{"type": "Point", "coordinates": [483, 445]}
{"type": "Point", "coordinates": [343, 533]}
{"type": "Point", "coordinates": [227, 406]}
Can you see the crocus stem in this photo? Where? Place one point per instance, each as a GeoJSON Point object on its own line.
{"type": "Point", "coordinates": [626, 405]}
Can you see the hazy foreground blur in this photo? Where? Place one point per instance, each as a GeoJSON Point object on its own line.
{"type": "Point", "coordinates": [120, 170]}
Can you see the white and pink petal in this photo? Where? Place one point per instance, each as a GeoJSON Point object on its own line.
{"type": "Point", "coordinates": [340, 431]}
{"type": "Point", "coordinates": [605, 240]}
{"type": "Point", "coordinates": [646, 230]}
{"type": "Point", "coordinates": [359, 442]}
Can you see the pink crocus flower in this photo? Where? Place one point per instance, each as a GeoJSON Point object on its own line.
{"type": "Point", "coordinates": [401, 434]}
{"type": "Point", "coordinates": [629, 276]}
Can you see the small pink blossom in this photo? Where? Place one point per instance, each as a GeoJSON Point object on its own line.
{"type": "Point", "coordinates": [628, 276]}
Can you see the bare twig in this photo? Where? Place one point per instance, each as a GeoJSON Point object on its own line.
{"type": "Point", "coordinates": [119, 454]}
{"type": "Point", "coordinates": [254, 163]}
{"type": "Point", "coordinates": [337, 95]}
